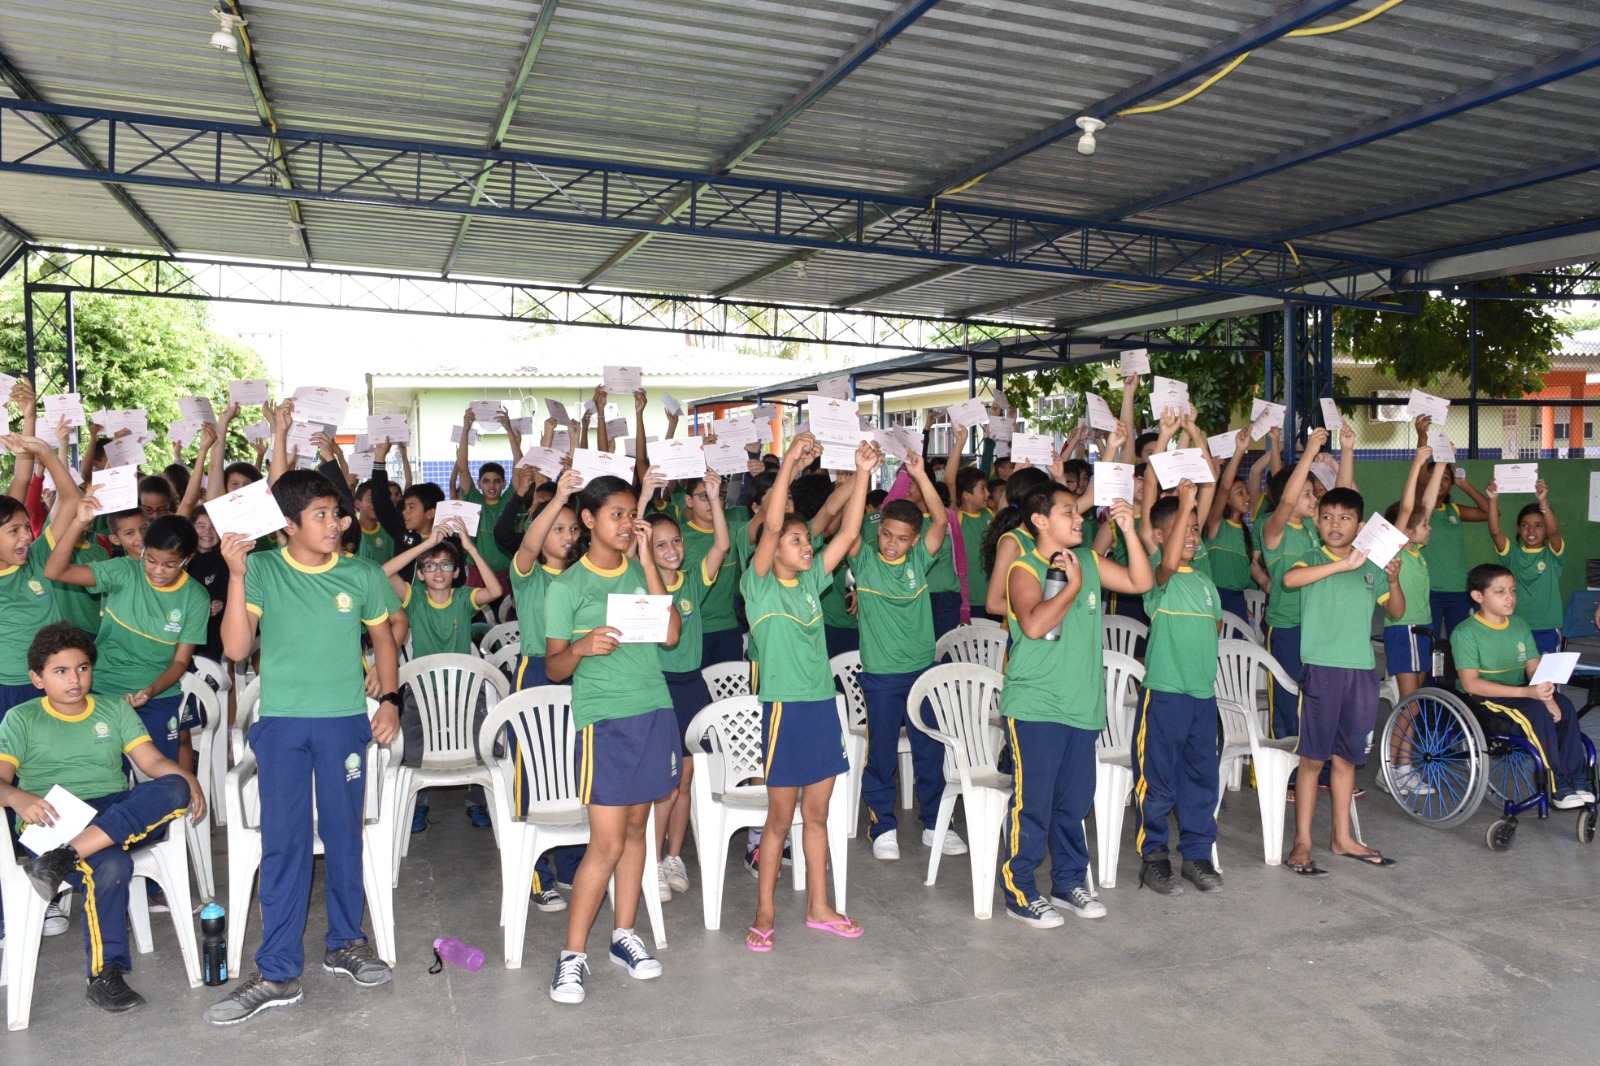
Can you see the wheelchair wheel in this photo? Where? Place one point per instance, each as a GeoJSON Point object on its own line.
{"type": "Point", "coordinates": [1586, 825]}
{"type": "Point", "coordinates": [1511, 772]}
{"type": "Point", "coordinates": [1500, 834]}
{"type": "Point", "coordinates": [1435, 732]}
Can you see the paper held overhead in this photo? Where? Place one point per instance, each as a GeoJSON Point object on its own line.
{"type": "Point", "coordinates": [468, 513]}
{"type": "Point", "coordinates": [1516, 477]}
{"type": "Point", "coordinates": [1134, 361]}
{"type": "Point", "coordinates": [1181, 464]}
{"type": "Point", "coordinates": [623, 379]}
{"type": "Point", "coordinates": [252, 512]}
{"type": "Point", "coordinates": [1112, 482]}
{"type": "Point", "coordinates": [1380, 539]}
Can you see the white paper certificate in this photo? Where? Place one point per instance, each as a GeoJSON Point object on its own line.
{"type": "Point", "coordinates": [726, 459]}
{"type": "Point", "coordinates": [837, 387]}
{"type": "Point", "coordinates": [523, 425]}
{"type": "Point", "coordinates": [1036, 448]}
{"type": "Point", "coordinates": [616, 429]}
{"type": "Point", "coordinates": [1554, 667]}
{"type": "Point", "coordinates": [639, 619]}
{"type": "Point", "coordinates": [969, 413]}
{"type": "Point", "coordinates": [835, 420]}
{"type": "Point", "coordinates": [679, 459]}
{"type": "Point", "coordinates": [111, 423]}
{"type": "Point", "coordinates": [1324, 472]}
{"type": "Point", "coordinates": [487, 410]}
{"type": "Point", "coordinates": [361, 463]}
{"type": "Point", "coordinates": [557, 410]}
{"type": "Point", "coordinates": [1222, 446]}
{"type": "Point", "coordinates": [889, 443]}
{"type": "Point", "coordinates": [124, 451]}
{"type": "Point", "coordinates": [1168, 395]}
{"type": "Point", "coordinates": [1174, 466]}
{"type": "Point", "coordinates": [72, 817]}
{"type": "Point", "coordinates": [396, 429]}
{"type": "Point", "coordinates": [250, 393]}
{"type": "Point", "coordinates": [1423, 403]}
{"type": "Point", "coordinates": [469, 513]}
{"type": "Point", "coordinates": [1100, 416]}
{"type": "Point", "coordinates": [1380, 540]}
{"type": "Point", "coordinates": [591, 464]}
{"type": "Point", "coordinates": [1516, 477]}
{"type": "Point", "coordinates": [735, 431]}
{"type": "Point", "coordinates": [117, 488]}
{"type": "Point", "coordinates": [1112, 482]}
{"type": "Point", "coordinates": [1135, 361]}
{"type": "Point", "coordinates": [183, 431]}
{"type": "Point", "coordinates": [763, 414]}
{"type": "Point", "coordinates": [455, 435]}
{"type": "Point", "coordinates": [1002, 429]}
{"type": "Point", "coordinates": [197, 409]}
{"type": "Point", "coordinates": [671, 404]}
{"type": "Point", "coordinates": [545, 460]}
{"type": "Point", "coordinates": [839, 455]}
{"type": "Point", "coordinates": [251, 511]}
{"type": "Point", "coordinates": [59, 405]}
{"type": "Point", "coordinates": [1265, 416]}
{"type": "Point", "coordinates": [1331, 418]}
{"type": "Point", "coordinates": [1443, 450]}
{"type": "Point", "coordinates": [299, 439]}
{"type": "Point", "coordinates": [258, 432]}
{"type": "Point", "coordinates": [315, 404]}
{"type": "Point", "coordinates": [628, 379]}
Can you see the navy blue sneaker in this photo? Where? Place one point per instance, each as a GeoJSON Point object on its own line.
{"type": "Point", "coordinates": [479, 816]}
{"type": "Point", "coordinates": [419, 820]}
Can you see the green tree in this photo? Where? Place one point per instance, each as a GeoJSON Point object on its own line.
{"type": "Point", "coordinates": [136, 351]}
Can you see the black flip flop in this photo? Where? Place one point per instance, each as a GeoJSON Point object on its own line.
{"type": "Point", "coordinates": [1307, 869]}
{"type": "Point", "coordinates": [1373, 858]}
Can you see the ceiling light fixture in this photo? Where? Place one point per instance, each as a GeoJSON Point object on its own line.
{"type": "Point", "coordinates": [224, 40]}
{"type": "Point", "coordinates": [1089, 126]}
{"type": "Point", "coordinates": [801, 268]}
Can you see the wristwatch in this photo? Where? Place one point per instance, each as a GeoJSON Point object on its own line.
{"type": "Point", "coordinates": [391, 697]}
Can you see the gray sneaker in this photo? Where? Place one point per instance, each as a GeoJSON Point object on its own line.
{"type": "Point", "coordinates": [357, 961]}
{"type": "Point", "coordinates": [1206, 877]}
{"type": "Point", "coordinates": [1156, 873]}
{"type": "Point", "coordinates": [254, 995]}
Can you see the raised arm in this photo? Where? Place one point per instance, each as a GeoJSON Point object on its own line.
{"type": "Point", "coordinates": [802, 450]}
{"type": "Point", "coordinates": [512, 436]}
{"type": "Point", "coordinates": [720, 540]}
{"type": "Point", "coordinates": [216, 483]}
{"type": "Point", "coordinates": [1408, 497]}
{"type": "Point", "coordinates": [1130, 387]}
{"type": "Point", "coordinates": [533, 540]}
{"type": "Point", "coordinates": [938, 516]}
{"type": "Point", "coordinates": [1172, 534]}
{"type": "Point", "coordinates": [1495, 532]}
{"type": "Point", "coordinates": [206, 439]}
{"type": "Point", "coordinates": [1346, 478]}
{"type": "Point", "coordinates": [59, 566]}
{"type": "Point", "coordinates": [1552, 528]}
{"type": "Point", "coordinates": [1293, 488]}
{"type": "Point", "coordinates": [461, 473]}
{"type": "Point", "coordinates": [282, 416]}
{"type": "Point", "coordinates": [855, 510]}
{"type": "Point", "coordinates": [383, 508]}
{"type": "Point", "coordinates": [1230, 474]}
{"type": "Point", "coordinates": [27, 406]}
{"type": "Point", "coordinates": [1479, 511]}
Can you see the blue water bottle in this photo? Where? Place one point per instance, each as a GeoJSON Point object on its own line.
{"type": "Point", "coordinates": [214, 945]}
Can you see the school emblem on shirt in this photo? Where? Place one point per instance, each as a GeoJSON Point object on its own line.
{"type": "Point", "coordinates": [1541, 566]}
{"type": "Point", "coordinates": [102, 731]}
{"type": "Point", "coordinates": [352, 766]}
{"type": "Point", "coordinates": [36, 587]}
{"type": "Point", "coordinates": [1454, 520]}
{"type": "Point", "coordinates": [1522, 651]}
{"type": "Point", "coordinates": [1092, 601]}
{"type": "Point", "coordinates": [174, 621]}
{"type": "Point", "coordinates": [343, 602]}
{"type": "Point", "coordinates": [685, 607]}
{"type": "Point", "coordinates": [811, 604]}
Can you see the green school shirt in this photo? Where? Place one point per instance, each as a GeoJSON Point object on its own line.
{"type": "Point", "coordinates": [375, 546]}
{"type": "Point", "coordinates": [1341, 605]}
{"type": "Point", "coordinates": [627, 682]}
{"type": "Point", "coordinates": [786, 616]}
{"type": "Point", "coordinates": [835, 606]}
{"type": "Point", "coordinates": [718, 613]}
{"type": "Point", "coordinates": [1228, 557]}
{"type": "Point", "coordinates": [143, 625]}
{"type": "Point", "coordinates": [1182, 653]}
{"type": "Point", "coordinates": [28, 603]}
{"type": "Point", "coordinates": [1538, 574]}
{"type": "Point", "coordinates": [439, 628]}
{"type": "Point", "coordinates": [529, 591]}
{"type": "Point", "coordinates": [1284, 605]}
{"type": "Point", "coordinates": [491, 551]}
{"type": "Point", "coordinates": [942, 576]}
{"type": "Point", "coordinates": [83, 754]}
{"type": "Point", "coordinates": [895, 616]}
{"type": "Point", "coordinates": [1415, 586]}
{"type": "Point", "coordinates": [77, 604]}
{"type": "Point", "coordinates": [1061, 680]}
{"type": "Point", "coordinates": [311, 620]}
{"type": "Point", "coordinates": [689, 594]}
{"type": "Point", "coordinates": [1500, 653]}
{"type": "Point", "coordinates": [1446, 550]}
{"type": "Point", "coordinates": [974, 527]}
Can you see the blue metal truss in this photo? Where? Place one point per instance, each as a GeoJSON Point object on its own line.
{"type": "Point", "coordinates": [217, 157]}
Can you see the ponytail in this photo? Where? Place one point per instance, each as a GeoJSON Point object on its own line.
{"type": "Point", "coordinates": [1021, 482]}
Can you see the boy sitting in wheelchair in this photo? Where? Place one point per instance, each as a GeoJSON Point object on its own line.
{"type": "Point", "coordinates": [1495, 656]}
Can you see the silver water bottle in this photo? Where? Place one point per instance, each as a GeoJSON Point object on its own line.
{"type": "Point", "coordinates": [1055, 579]}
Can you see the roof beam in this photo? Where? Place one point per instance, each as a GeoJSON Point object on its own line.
{"type": "Point", "coordinates": [894, 24]}
{"type": "Point", "coordinates": [1106, 109]}
{"type": "Point", "coordinates": [246, 51]}
{"type": "Point", "coordinates": [508, 109]}
{"type": "Point", "coordinates": [24, 90]}
{"type": "Point", "coordinates": [16, 231]}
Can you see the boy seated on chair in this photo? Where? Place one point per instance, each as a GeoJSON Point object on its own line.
{"type": "Point", "coordinates": [69, 738]}
{"type": "Point", "coordinates": [1496, 656]}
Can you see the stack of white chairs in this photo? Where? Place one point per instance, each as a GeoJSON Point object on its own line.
{"type": "Point", "coordinates": [846, 668]}
{"type": "Point", "coordinates": [1114, 759]}
{"type": "Point", "coordinates": [1122, 634]}
{"type": "Point", "coordinates": [727, 679]}
{"type": "Point", "coordinates": [983, 645]}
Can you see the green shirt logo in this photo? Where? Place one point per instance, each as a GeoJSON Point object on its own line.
{"type": "Point", "coordinates": [343, 602]}
{"type": "Point", "coordinates": [1093, 601]}
{"type": "Point", "coordinates": [36, 587]}
{"type": "Point", "coordinates": [102, 731]}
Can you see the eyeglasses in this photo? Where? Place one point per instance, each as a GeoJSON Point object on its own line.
{"type": "Point", "coordinates": [700, 496]}
{"type": "Point", "coordinates": [156, 564]}
{"type": "Point", "coordinates": [443, 568]}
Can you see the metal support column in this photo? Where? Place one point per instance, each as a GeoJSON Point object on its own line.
{"type": "Point", "coordinates": [1472, 379]}
{"type": "Point", "coordinates": [1291, 355]}
{"type": "Point", "coordinates": [972, 392]}
{"type": "Point", "coordinates": [70, 328]}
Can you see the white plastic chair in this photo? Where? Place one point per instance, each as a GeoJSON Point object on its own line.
{"type": "Point", "coordinates": [498, 637]}
{"type": "Point", "coordinates": [964, 698]}
{"type": "Point", "coordinates": [1122, 635]}
{"type": "Point", "coordinates": [219, 679]}
{"type": "Point", "coordinates": [983, 645]}
{"type": "Point", "coordinates": [724, 680]}
{"type": "Point", "coordinates": [1114, 759]}
{"type": "Point", "coordinates": [446, 688]}
{"type": "Point", "coordinates": [208, 747]}
{"type": "Point", "coordinates": [724, 801]}
{"type": "Point", "coordinates": [545, 738]}
{"type": "Point", "coordinates": [1236, 628]}
{"type": "Point", "coordinates": [165, 862]}
{"type": "Point", "coordinates": [505, 659]}
{"type": "Point", "coordinates": [1255, 606]}
{"type": "Point", "coordinates": [985, 622]}
{"type": "Point", "coordinates": [846, 668]}
{"type": "Point", "coordinates": [381, 811]}
{"type": "Point", "coordinates": [1243, 671]}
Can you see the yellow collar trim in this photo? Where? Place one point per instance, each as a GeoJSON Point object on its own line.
{"type": "Point", "coordinates": [53, 713]}
{"type": "Point", "coordinates": [618, 572]}
{"type": "Point", "coordinates": [323, 568]}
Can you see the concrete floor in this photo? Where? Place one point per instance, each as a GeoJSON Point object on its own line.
{"type": "Point", "coordinates": [1455, 955]}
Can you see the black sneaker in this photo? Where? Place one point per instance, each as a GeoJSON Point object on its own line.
{"type": "Point", "coordinates": [254, 995]}
{"type": "Point", "coordinates": [1156, 875]}
{"type": "Point", "coordinates": [1206, 877]}
{"type": "Point", "coordinates": [109, 992]}
{"type": "Point", "coordinates": [47, 871]}
{"type": "Point", "coordinates": [357, 961]}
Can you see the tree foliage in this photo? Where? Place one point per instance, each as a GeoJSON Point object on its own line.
{"type": "Point", "coordinates": [135, 351]}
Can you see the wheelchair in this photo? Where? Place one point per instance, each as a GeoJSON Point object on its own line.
{"type": "Point", "coordinates": [1460, 751]}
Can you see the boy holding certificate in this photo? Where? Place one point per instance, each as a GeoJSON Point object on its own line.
{"type": "Point", "coordinates": [1535, 562]}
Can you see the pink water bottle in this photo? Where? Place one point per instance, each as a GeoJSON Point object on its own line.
{"type": "Point", "coordinates": [456, 953]}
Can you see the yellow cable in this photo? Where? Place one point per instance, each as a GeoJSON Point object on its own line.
{"type": "Point", "coordinates": [1310, 31]}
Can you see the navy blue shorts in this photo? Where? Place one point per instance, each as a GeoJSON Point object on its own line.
{"type": "Point", "coordinates": [162, 719]}
{"type": "Point", "coordinates": [689, 697]}
{"type": "Point", "coordinates": [623, 761]}
{"type": "Point", "coordinates": [802, 742]}
{"type": "Point", "coordinates": [1406, 651]}
{"type": "Point", "coordinates": [723, 646]}
{"type": "Point", "coordinates": [1338, 709]}
{"type": "Point", "coordinates": [530, 673]}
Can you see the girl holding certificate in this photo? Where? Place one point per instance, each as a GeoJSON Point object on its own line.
{"type": "Point", "coordinates": [628, 747]}
{"type": "Point", "coordinates": [801, 737]}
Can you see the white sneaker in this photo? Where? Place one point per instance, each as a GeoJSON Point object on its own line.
{"type": "Point", "coordinates": [663, 889]}
{"type": "Point", "coordinates": [567, 987]}
{"type": "Point", "coordinates": [55, 923]}
{"type": "Point", "coordinates": [1407, 781]}
{"type": "Point", "coordinates": [1584, 794]}
{"type": "Point", "coordinates": [677, 873]}
{"type": "Point", "coordinates": [1079, 902]}
{"type": "Point", "coordinates": [953, 844]}
{"type": "Point", "coordinates": [886, 846]}
{"type": "Point", "coordinates": [628, 950]}
{"type": "Point", "coordinates": [1038, 913]}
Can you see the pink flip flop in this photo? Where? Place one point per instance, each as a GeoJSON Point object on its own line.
{"type": "Point", "coordinates": [838, 927]}
{"type": "Point", "coordinates": [763, 942]}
